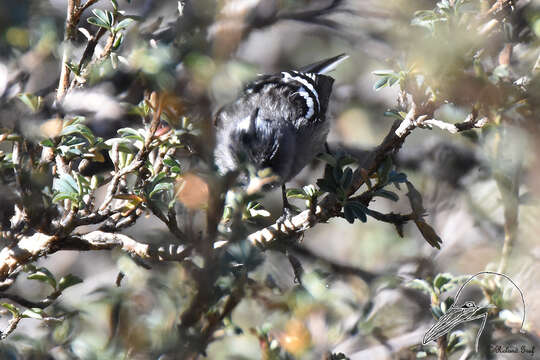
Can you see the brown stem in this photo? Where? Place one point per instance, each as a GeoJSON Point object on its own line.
{"type": "Point", "coordinates": [72, 18]}
{"type": "Point", "coordinates": [441, 348]}
{"type": "Point", "coordinates": [511, 212]}
{"type": "Point", "coordinates": [74, 12]}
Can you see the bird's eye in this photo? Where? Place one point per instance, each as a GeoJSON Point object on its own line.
{"type": "Point", "coordinates": [469, 304]}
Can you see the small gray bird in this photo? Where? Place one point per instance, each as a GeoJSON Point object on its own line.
{"type": "Point", "coordinates": [278, 121]}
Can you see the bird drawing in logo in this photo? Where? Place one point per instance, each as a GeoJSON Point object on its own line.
{"type": "Point", "coordinates": [469, 311]}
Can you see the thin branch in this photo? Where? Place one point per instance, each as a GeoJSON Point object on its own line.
{"type": "Point", "coordinates": [72, 19]}
{"type": "Point", "coordinates": [42, 304]}
{"type": "Point", "coordinates": [91, 47]}
{"type": "Point", "coordinates": [458, 127]}
{"type": "Point", "coordinates": [74, 12]}
{"type": "Point", "coordinates": [100, 240]}
{"type": "Point", "coordinates": [337, 268]}
{"type": "Point", "coordinates": [12, 325]}
{"type": "Point", "coordinates": [85, 73]}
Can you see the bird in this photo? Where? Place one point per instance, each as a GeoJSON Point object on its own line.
{"type": "Point", "coordinates": [278, 121]}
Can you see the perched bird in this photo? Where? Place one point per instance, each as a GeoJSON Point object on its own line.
{"type": "Point", "coordinates": [278, 122]}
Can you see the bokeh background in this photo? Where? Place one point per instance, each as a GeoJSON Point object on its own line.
{"type": "Point", "coordinates": [354, 298]}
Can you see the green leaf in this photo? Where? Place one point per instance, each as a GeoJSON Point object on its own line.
{"type": "Point", "coordinates": [66, 184]}
{"type": "Point", "coordinates": [44, 275]}
{"type": "Point", "coordinates": [296, 194]}
{"type": "Point", "coordinates": [348, 214]}
{"type": "Point", "coordinates": [326, 185]}
{"type": "Point", "coordinates": [394, 114]}
{"type": "Point", "coordinates": [255, 209]}
{"type": "Point", "coordinates": [64, 196]}
{"type": "Point", "coordinates": [436, 311]}
{"type": "Point", "coordinates": [124, 24]}
{"type": "Point", "coordinates": [415, 199]}
{"type": "Point", "coordinates": [171, 162]}
{"type": "Point", "coordinates": [422, 285]}
{"type": "Point", "coordinates": [74, 68]}
{"type": "Point", "coordinates": [442, 279]}
{"type": "Point", "coordinates": [119, 40]}
{"type": "Point", "coordinates": [79, 129]}
{"type": "Point", "coordinates": [98, 22]}
{"type": "Point", "coordinates": [386, 194]}
{"type": "Point", "coordinates": [384, 170]}
{"type": "Point", "coordinates": [345, 160]}
{"type": "Point", "coordinates": [163, 186]}
{"type": "Point", "coordinates": [104, 16]}
{"type": "Point", "coordinates": [358, 209]}
{"type": "Point", "coordinates": [384, 72]}
{"type": "Point", "coordinates": [47, 143]}
{"type": "Point", "coordinates": [392, 80]}
{"type": "Point", "coordinates": [29, 268]}
{"type": "Point", "coordinates": [12, 309]}
{"type": "Point", "coordinates": [380, 83]}
{"type": "Point", "coordinates": [327, 158]}
{"type": "Point", "coordinates": [68, 280]}
{"type": "Point", "coordinates": [347, 178]}
{"type": "Point", "coordinates": [32, 101]}
{"type": "Point", "coordinates": [396, 177]}
{"type": "Point", "coordinates": [337, 172]}
{"type": "Point", "coordinates": [428, 233]}
{"type": "Point", "coordinates": [130, 134]}
{"type": "Point", "coordinates": [34, 313]}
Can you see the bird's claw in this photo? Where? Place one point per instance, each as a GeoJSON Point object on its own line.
{"type": "Point", "coordinates": [284, 223]}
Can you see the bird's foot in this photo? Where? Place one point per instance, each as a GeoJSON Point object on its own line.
{"type": "Point", "coordinates": [284, 222]}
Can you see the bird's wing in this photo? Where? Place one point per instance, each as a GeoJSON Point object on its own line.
{"type": "Point", "coordinates": [452, 318]}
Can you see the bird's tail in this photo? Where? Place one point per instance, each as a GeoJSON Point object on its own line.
{"type": "Point", "coordinates": [324, 66]}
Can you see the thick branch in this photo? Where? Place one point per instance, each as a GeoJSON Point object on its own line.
{"type": "Point", "coordinates": [30, 248]}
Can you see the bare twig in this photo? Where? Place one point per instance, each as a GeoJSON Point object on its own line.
{"type": "Point", "coordinates": [455, 128]}
{"type": "Point", "coordinates": [337, 268]}
{"type": "Point", "coordinates": [31, 304]}
{"type": "Point", "coordinates": [87, 55]}
{"type": "Point", "coordinates": [72, 19]}
{"type": "Point", "coordinates": [12, 325]}
{"type": "Point", "coordinates": [74, 12]}
{"type": "Point", "coordinates": [91, 47]}
{"type": "Point", "coordinates": [510, 197]}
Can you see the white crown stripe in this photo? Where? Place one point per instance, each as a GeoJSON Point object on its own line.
{"type": "Point", "coordinates": [308, 76]}
{"type": "Point", "coordinates": [309, 102]}
{"type": "Point", "coordinates": [312, 87]}
{"type": "Point", "coordinates": [287, 76]}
